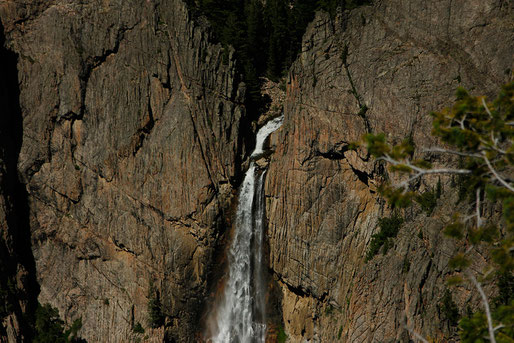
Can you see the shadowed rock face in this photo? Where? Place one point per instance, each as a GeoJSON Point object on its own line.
{"type": "Point", "coordinates": [18, 289]}
{"type": "Point", "coordinates": [401, 60]}
{"type": "Point", "coordinates": [131, 140]}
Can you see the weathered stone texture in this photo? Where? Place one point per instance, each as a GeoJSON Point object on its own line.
{"type": "Point", "coordinates": [131, 144]}
{"type": "Point", "coordinates": [130, 141]}
{"type": "Point", "coordinates": [405, 59]}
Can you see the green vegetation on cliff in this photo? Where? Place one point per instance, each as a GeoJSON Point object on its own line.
{"type": "Point", "coordinates": [481, 135]}
{"type": "Point", "coordinates": [49, 328]}
{"type": "Point", "coordinates": [389, 228]}
{"type": "Point", "coordinates": [155, 315]}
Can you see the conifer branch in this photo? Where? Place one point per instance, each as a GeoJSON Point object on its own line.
{"type": "Point", "coordinates": [448, 151]}
{"type": "Point", "coordinates": [487, 108]}
{"type": "Point", "coordinates": [485, 301]}
{"type": "Point", "coordinates": [479, 219]}
{"type": "Point", "coordinates": [420, 171]}
{"type": "Point", "coordinates": [495, 173]}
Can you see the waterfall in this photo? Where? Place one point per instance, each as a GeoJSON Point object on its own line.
{"type": "Point", "coordinates": [240, 317]}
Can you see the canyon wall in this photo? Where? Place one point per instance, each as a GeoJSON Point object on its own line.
{"type": "Point", "coordinates": [122, 145]}
{"type": "Point", "coordinates": [17, 270]}
{"type": "Point", "coordinates": [379, 68]}
{"type": "Point", "coordinates": [131, 141]}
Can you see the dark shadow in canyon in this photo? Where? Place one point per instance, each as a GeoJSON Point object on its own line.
{"type": "Point", "coordinates": [16, 258]}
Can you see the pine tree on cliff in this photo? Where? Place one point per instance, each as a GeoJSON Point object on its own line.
{"type": "Point", "coordinates": [155, 315]}
{"type": "Point", "coordinates": [253, 55]}
{"type": "Point", "coordinates": [480, 135]}
{"type": "Point", "coordinates": [256, 36]}
{"type": "Point", "coordinates": [277, 16]}
{"type": "Point", "coordinates": [301, 14]}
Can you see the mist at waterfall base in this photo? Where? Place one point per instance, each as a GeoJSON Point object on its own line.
{"type": "Point", "coordinates": [240, 316]}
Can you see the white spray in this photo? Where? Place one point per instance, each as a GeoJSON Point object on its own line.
{"type": "Point", "coordinates": [240, 317]}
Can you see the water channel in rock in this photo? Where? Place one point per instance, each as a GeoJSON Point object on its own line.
{"type": "Point", "coordinates": [240, 316]}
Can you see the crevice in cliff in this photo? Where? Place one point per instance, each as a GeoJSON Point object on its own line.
{"type": "Point", "coordinates": [362, 107]}
{"type": "Point", "coordinates": [166, 84]}
{"type": "Point", "coordinates": [363, 176]}
{"type": "Point", "coordinates": [449, 22]}
{"type": "Point", "coordinates": [66, 196]}
{"type": "Point", "coordinates": [335, 153]}
{"type": "Point", "coordinates": [423, 281]}
{"type": "Point", "coordinates": [17, 260]}
{"type": "Point", "coordinates": [89, 63]}
{"type": "Point", "coordinates": [33, 11]}
{"type": "Point", "coordinates": [123, 247]}
{"type": "Point", "coordinates": [202, 151]}
{"type": "Point", "coordinates": [92, 62]}
{"type": "Point", "coordinates": [298, 290]}
{"type": "Point", "coordinates": [143, 132]}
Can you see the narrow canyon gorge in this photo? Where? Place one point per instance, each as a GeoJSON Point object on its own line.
{"type": "Point", "coordinates": [125, 139]}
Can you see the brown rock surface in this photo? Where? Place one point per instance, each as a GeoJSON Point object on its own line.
{"type": "Point", "coordinates": [400, 59]}
{"type": "Point", "coordinates": [130, 141]}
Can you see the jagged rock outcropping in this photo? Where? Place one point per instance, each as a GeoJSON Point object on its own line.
{"type": "Point", "coordinates": [379, 68]}
{"type": "Point", "coordinates": [131, 140]}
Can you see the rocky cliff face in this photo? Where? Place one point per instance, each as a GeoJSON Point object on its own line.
{"type": "Point", "coordinates": [17, 281]}
{"type": "Point", "coordinates": [131, 139]}
{"type": "Point", "coordinates": [379, 68]}
{"type": "Point", "coordinates": [123, 142]}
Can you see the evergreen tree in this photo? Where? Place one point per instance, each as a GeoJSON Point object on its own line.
{"type": "Point", "coordinates": [256, 36]}
{"type": "Point", "coordinates": [481, 134]}
{"type": "Point", "coordinates": [301, 14]}
{"type": "Point", "coordinates": [49, 327]}
{"type": "Point", "coordinates": [266, 36]}
{"type": "Point", "coordinates": [155, 314]}
{"type": "Point", "coordinates": [277, 18]}
{"type": "Point", "coordinates": [331, 6]}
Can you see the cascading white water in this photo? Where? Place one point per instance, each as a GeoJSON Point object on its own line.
{"type": "Point", "coordinates": [240, 316]}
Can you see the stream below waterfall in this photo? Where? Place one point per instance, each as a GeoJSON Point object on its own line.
{"type": "Point", "coordinates": [241, 314]}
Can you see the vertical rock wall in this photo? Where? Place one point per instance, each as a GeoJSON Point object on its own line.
{"type": "Point", "coordinates": [130, 143]}
{"type": "Point", "coordinates": [17, 270]}
{"type": "Point", "coordinates": [381, 68]}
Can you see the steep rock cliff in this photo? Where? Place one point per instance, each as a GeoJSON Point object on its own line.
{"type": "Point", "coordinates": [17, 270]}
{"type": "Point", "coordinates": [131, 140]}
{"type": "Point", "coordinates": [379, 68]}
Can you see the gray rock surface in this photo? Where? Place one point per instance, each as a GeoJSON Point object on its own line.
{"type": "Point", "coordinates": [401, 60]}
